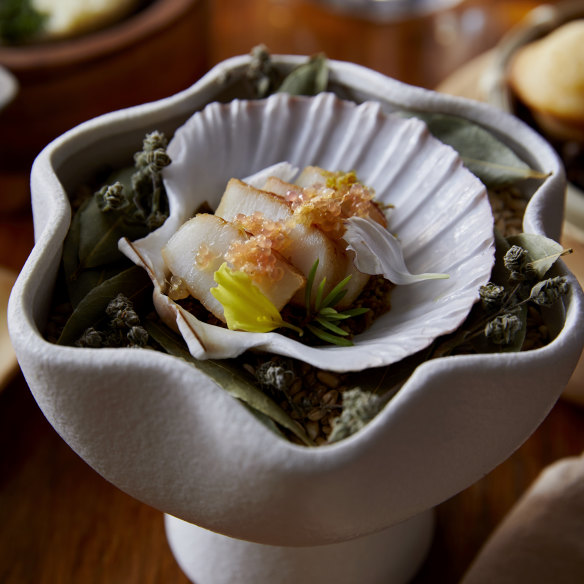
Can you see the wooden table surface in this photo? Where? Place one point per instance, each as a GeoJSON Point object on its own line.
{"type": "Point", "coordinates": [62, 523]}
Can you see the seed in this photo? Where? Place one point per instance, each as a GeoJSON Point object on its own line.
{"type": "Point", "coordinates": [318, 391]}
{"type": "Point", "coordinates": [328, 378]}
{"type": "Point", "coordinates": [330, 397]}
{"type": "Point", "coordinates": [299, 397]}
{"type": "Point", "coordinates": [316, 414]}
{"type": "Point", "coordinates": [295, 387]}
{"type": "Point", "coordinates": [312, 429]}
{"type": "Point", "coordinates": [517, 204]}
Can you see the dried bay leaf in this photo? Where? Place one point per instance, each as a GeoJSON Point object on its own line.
{"type": "Point", "coordinates": [100, 233]}
{"type": "Point", "coordinates": [487, 157]}
{"type": "Point", "coordinates": [86, 280]}
{"type": "Point", "coordinates": [70, 255]}
{"type": "Point", "coordinates": [307, 79]}
{"type": "Point", "coordinates": [542, 251]}
{"type": "Point", "coordinates": [519, 338]}
{"type": "Point", "coordinates": [229, 375]}
{"type": "Point", "coordinates": [134, 283]}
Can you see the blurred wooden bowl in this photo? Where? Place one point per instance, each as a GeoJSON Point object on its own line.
{"type": "Point", "coordinates": [158, 51]}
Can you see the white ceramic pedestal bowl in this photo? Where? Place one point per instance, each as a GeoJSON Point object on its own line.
{"type": "Point", "coordinates": [269, 511]}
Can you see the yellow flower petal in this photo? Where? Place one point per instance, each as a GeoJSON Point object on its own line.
{"type": "Point", "coordinates": [245, 307]}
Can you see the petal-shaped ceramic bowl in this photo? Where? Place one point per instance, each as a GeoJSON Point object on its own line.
{"type": "Point", "coordinates": [441, 214]}
{"type": "Point", "coordinates": [169, 436]}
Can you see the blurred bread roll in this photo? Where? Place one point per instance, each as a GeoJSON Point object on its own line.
{"type": "Point", "coordinates": [65, 18]}
{"type": "Point", "coordinates": [547, 75]}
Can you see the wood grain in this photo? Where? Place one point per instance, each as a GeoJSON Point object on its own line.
{"type": "Point", "coordinates": [62, 523]}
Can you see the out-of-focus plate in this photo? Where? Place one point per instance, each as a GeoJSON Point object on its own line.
{"type": "Point", "coordinates": [8, 87]}
{"type": "Point", "coordinates": [8, 363]}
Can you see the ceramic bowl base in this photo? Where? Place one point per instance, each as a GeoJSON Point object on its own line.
{"type": "Point", "coordinates": [391, 556]}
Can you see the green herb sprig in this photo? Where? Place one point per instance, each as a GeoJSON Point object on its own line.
{"type": "Point", "coordinates": [130, 204]}
{"type": "Point", "coordinates": [498, 323]}
{"type": "Point", "coordinates": [322, 318]}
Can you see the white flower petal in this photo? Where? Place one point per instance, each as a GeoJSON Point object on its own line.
{"type": "Point", "coordinates": [377, 251]}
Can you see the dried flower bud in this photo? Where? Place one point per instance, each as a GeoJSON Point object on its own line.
{"type": "Point", "coordinates": [154, 141]}
{"type": "Point", "coordinates": [515, 258]}
{"type": "Point", "coordinates": [91, 338]}
{"type": "Point", "coordinates": [126, 318]}
{"type": "Point", "coordinates": [260, 71]}
{"type": "Point", "coordinates": [546, 292]}
{"type": "Point", "coordinates": [119, 303]}
{"type": "Point", "coordinates": [491, 296]}
{"type": "Point", "coordinates": [122, 312]}
{"type": "Point", "coordinates": [157, 159]}
{"type": "Point", "coordinates": [275, 374]}
{"type": "Point", "coordinates": [112, 197]}
{"type": "Point", "coordinates": [137, 336]}
{"type": "Point", "coordinates": [503, 329]}
{"type": "Point", "coordinates": [359, 408]}
{"type": "Point", "coordinates": [516, 261]}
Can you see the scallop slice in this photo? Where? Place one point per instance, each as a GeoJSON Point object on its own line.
{"type": "Point", "coordinates": [197, 250]}
{"type": "Point", "coordinates": [310, 176]}
{"type": "Point", "coordinates": [358, 280]}
{"type": "Point", "coordinates": [306, 245]}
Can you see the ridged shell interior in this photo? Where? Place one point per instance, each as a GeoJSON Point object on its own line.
{"type": "Point", "coordinates": [442, 215]}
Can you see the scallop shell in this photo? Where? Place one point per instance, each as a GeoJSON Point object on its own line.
{"type": "Point", "coordinates": [442, 215]}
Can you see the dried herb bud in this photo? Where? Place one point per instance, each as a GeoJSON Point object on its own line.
{"type": "Point", "coordinates": [138, 336]}
{"type": "Point", "coordinates": [91, 338]}
{"type": "Point", "coordinates": [122, 313]}
{"type": "Point", "coordinates": [154, 141]}
{"type": "Point", "coordinates": [112, 198]}
{"type": "Point", "coordinates": [157, 159]}
{"type": "Point", "coordinates": [492, 296]}
{"type": "Point", "coordinates": [546, 292]}
{"type": "Point", "coordinates": [515, 260]}
{"type": "Point", "coordinates": [118, 304]}
{"type": "Point", "coordinates": [126, 318]}
{"type": "Point", "coordinates": [503, 329]}
{"type": "Point", "coordinates": [359, 408]}
{"type": "Point", "coordinates": [260, 71]}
